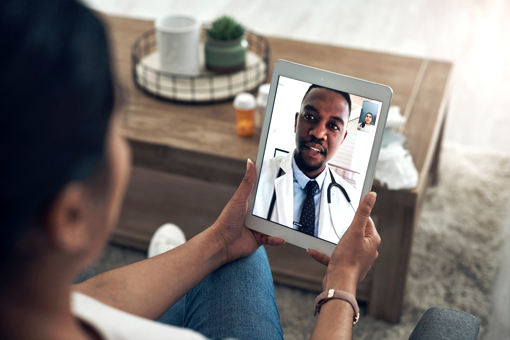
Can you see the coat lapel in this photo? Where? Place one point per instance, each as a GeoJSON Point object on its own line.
{"type": "Point", "coordinates": [324, 211]}
{"type": "Point", "coordinates": [285, 192]}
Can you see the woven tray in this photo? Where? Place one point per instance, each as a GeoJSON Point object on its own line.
{"type": "Point", "coordinates": [205, 88]}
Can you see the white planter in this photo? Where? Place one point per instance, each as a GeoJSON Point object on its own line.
{"type": "Point", "coordinates": [178, 38]}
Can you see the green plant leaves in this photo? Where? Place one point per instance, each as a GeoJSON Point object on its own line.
{"type": "Point", "coordinates": [225, 28]}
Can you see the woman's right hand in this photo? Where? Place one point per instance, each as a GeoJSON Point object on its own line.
{"type": "Point", "coordinates": [355, 252]}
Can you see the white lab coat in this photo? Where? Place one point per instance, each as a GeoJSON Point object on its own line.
{"type": "Point", "coordinates": [341, 211]}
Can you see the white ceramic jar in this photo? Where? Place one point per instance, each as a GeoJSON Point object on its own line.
{"type": "Point", "coordinates": [178, 38]}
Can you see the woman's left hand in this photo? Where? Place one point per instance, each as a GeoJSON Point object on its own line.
{"type": "Point", "coordinates": [239, 241]}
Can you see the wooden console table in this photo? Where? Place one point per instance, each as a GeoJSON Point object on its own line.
{"type": "Point", "coordinates": [199, 146]}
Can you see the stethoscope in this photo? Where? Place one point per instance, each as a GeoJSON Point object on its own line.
{"type": "Point", "coordinates": [331, 185]}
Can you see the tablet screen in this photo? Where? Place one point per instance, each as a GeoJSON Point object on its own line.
{"type": "Point", "coordinates": [315, 159]}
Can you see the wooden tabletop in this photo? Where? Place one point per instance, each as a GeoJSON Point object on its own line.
{"type": "Point", "coordinates": [201, 141]}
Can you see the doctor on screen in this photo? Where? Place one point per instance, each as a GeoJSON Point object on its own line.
{"type": "Point", "coordinates": [293, 189]}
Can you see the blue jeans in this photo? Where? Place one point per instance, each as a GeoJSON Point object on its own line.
{"type": "Point", "coordinates": [235, 301]}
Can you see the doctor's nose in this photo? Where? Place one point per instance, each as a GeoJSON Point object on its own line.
{"type": "Point", "coordinates": [319, 131]}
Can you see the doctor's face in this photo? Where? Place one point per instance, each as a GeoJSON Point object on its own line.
{"type": "Point", "coordinates": [320, 127]}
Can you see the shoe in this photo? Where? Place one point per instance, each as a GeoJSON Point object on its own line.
{"type": "Point", "coordinates": [166, 237]}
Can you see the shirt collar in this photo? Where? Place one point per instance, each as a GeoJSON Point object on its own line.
{"type": "Point", "coordinates": [303, 180]}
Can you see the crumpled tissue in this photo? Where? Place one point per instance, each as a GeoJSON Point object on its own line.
{"type": "Point", "coordinates": [395, 167]}
{"type": "Point", "coordinates": [395, 119]}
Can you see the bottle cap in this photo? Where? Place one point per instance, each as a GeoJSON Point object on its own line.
{"type": "Point", "coordinates": [263, 94]}
{"type": "Point", "coordinates": [244, 101]}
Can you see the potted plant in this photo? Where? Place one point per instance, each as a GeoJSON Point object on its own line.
{"type": "Point", "coordinates": [225, 46]}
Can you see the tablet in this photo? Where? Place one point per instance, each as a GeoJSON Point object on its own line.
{"type": "Point", "coordinates": [318, 149]}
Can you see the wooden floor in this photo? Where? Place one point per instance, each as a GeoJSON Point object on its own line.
{"type": "Point", "coordinates": [474, 34]}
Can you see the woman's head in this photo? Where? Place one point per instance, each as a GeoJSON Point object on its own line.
{"type": "Point", "coordinates": [58, 141]}
{"type": "Point", "coordinates": [368, 118]}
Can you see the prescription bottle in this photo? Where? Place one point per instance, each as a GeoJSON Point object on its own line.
{"type": "Point", "coordinates": [245, 104]}
{"type": "Point", "coordinates": [261, 106]}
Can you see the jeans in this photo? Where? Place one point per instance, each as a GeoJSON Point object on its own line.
{"type": "Point", "coordinates": [237, 300]}
{"type": "Point", "coordinates": [85, 275]}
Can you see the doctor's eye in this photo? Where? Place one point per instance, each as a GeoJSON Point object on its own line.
{"type": "Point", "coordinates": [334, 127]}
{"type": "Point", "coordinates": [308, 116]}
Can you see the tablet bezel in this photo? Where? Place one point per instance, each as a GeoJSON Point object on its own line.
{"type": "Point", "coordinates": [358, 87]}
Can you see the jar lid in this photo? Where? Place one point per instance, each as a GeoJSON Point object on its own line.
{"type": "Point", "coordinates": [244, 101]}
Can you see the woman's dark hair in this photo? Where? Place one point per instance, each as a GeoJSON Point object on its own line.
{"type": "Point", "coordinates": [56, 98]}
{"type": "Point", "coordinates": [346, 96]}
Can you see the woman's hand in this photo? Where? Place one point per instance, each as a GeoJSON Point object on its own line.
{"type": "Point", "coordinates": [238, 240]}
{"type": "Point", "coordinates": [355, 252]}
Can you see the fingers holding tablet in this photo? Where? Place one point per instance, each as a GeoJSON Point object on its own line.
{"type": "Point", "coordinates": [357, 249]}
{"type": "Point", "coordinates": [318, 256]}
{"type": "Point", "coordinates": [264, 239]}
{"type": "Point", "coordinates": [229, 228]}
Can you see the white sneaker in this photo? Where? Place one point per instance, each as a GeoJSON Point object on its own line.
{"type": "Point", "coordinates": [166, 237]}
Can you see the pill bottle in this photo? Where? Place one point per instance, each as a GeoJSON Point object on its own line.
{"type": "Point", "coordinates": [245, 104]}
{"type": "Point", "coordinates": [261, 106]}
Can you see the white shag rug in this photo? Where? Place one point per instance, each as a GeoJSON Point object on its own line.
{"type": "Point", "coordinates": [455, 253]}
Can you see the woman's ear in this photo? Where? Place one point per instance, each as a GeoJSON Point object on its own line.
{"type": "Point", "coordinates": [67, 227]}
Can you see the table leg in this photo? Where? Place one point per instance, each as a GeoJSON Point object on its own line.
{"type": "Point", "coordinates": [434, 167]}
{"type": "Point", "coordinates": [395, 214]}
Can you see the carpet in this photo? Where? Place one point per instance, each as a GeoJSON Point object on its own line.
{"type": "Point", "coordinates": [455, 253]}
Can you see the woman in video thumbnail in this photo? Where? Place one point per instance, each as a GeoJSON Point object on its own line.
{"type": "Point", "coordinates": [367, 126]}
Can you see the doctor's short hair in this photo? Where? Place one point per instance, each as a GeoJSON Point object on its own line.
{"type": "Point", "coordinates": [346, 96]}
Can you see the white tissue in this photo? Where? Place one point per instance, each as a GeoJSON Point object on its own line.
{"type": "Point", "coordinates": [395, 119]}
{"type": "Point", "coordinates": [395, 167]}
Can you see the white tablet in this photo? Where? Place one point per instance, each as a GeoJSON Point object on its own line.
{"type": "Point", "coordinates": [318, 149]}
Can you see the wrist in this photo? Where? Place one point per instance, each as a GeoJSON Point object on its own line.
{"type": "Point", "coordinates": [218, 244]}
{"type": "Point", "coordinates": [342, 279]}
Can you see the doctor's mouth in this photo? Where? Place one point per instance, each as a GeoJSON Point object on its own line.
{"type": "Point", "coordinates": [313, 147]}
{"type": "Point", "coordinates": [313, 153]}
{"type": "Point", "coordinates": [317, 148]}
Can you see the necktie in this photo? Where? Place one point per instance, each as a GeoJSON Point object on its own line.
{"type": "Point", "coordinates": [307, 219]}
